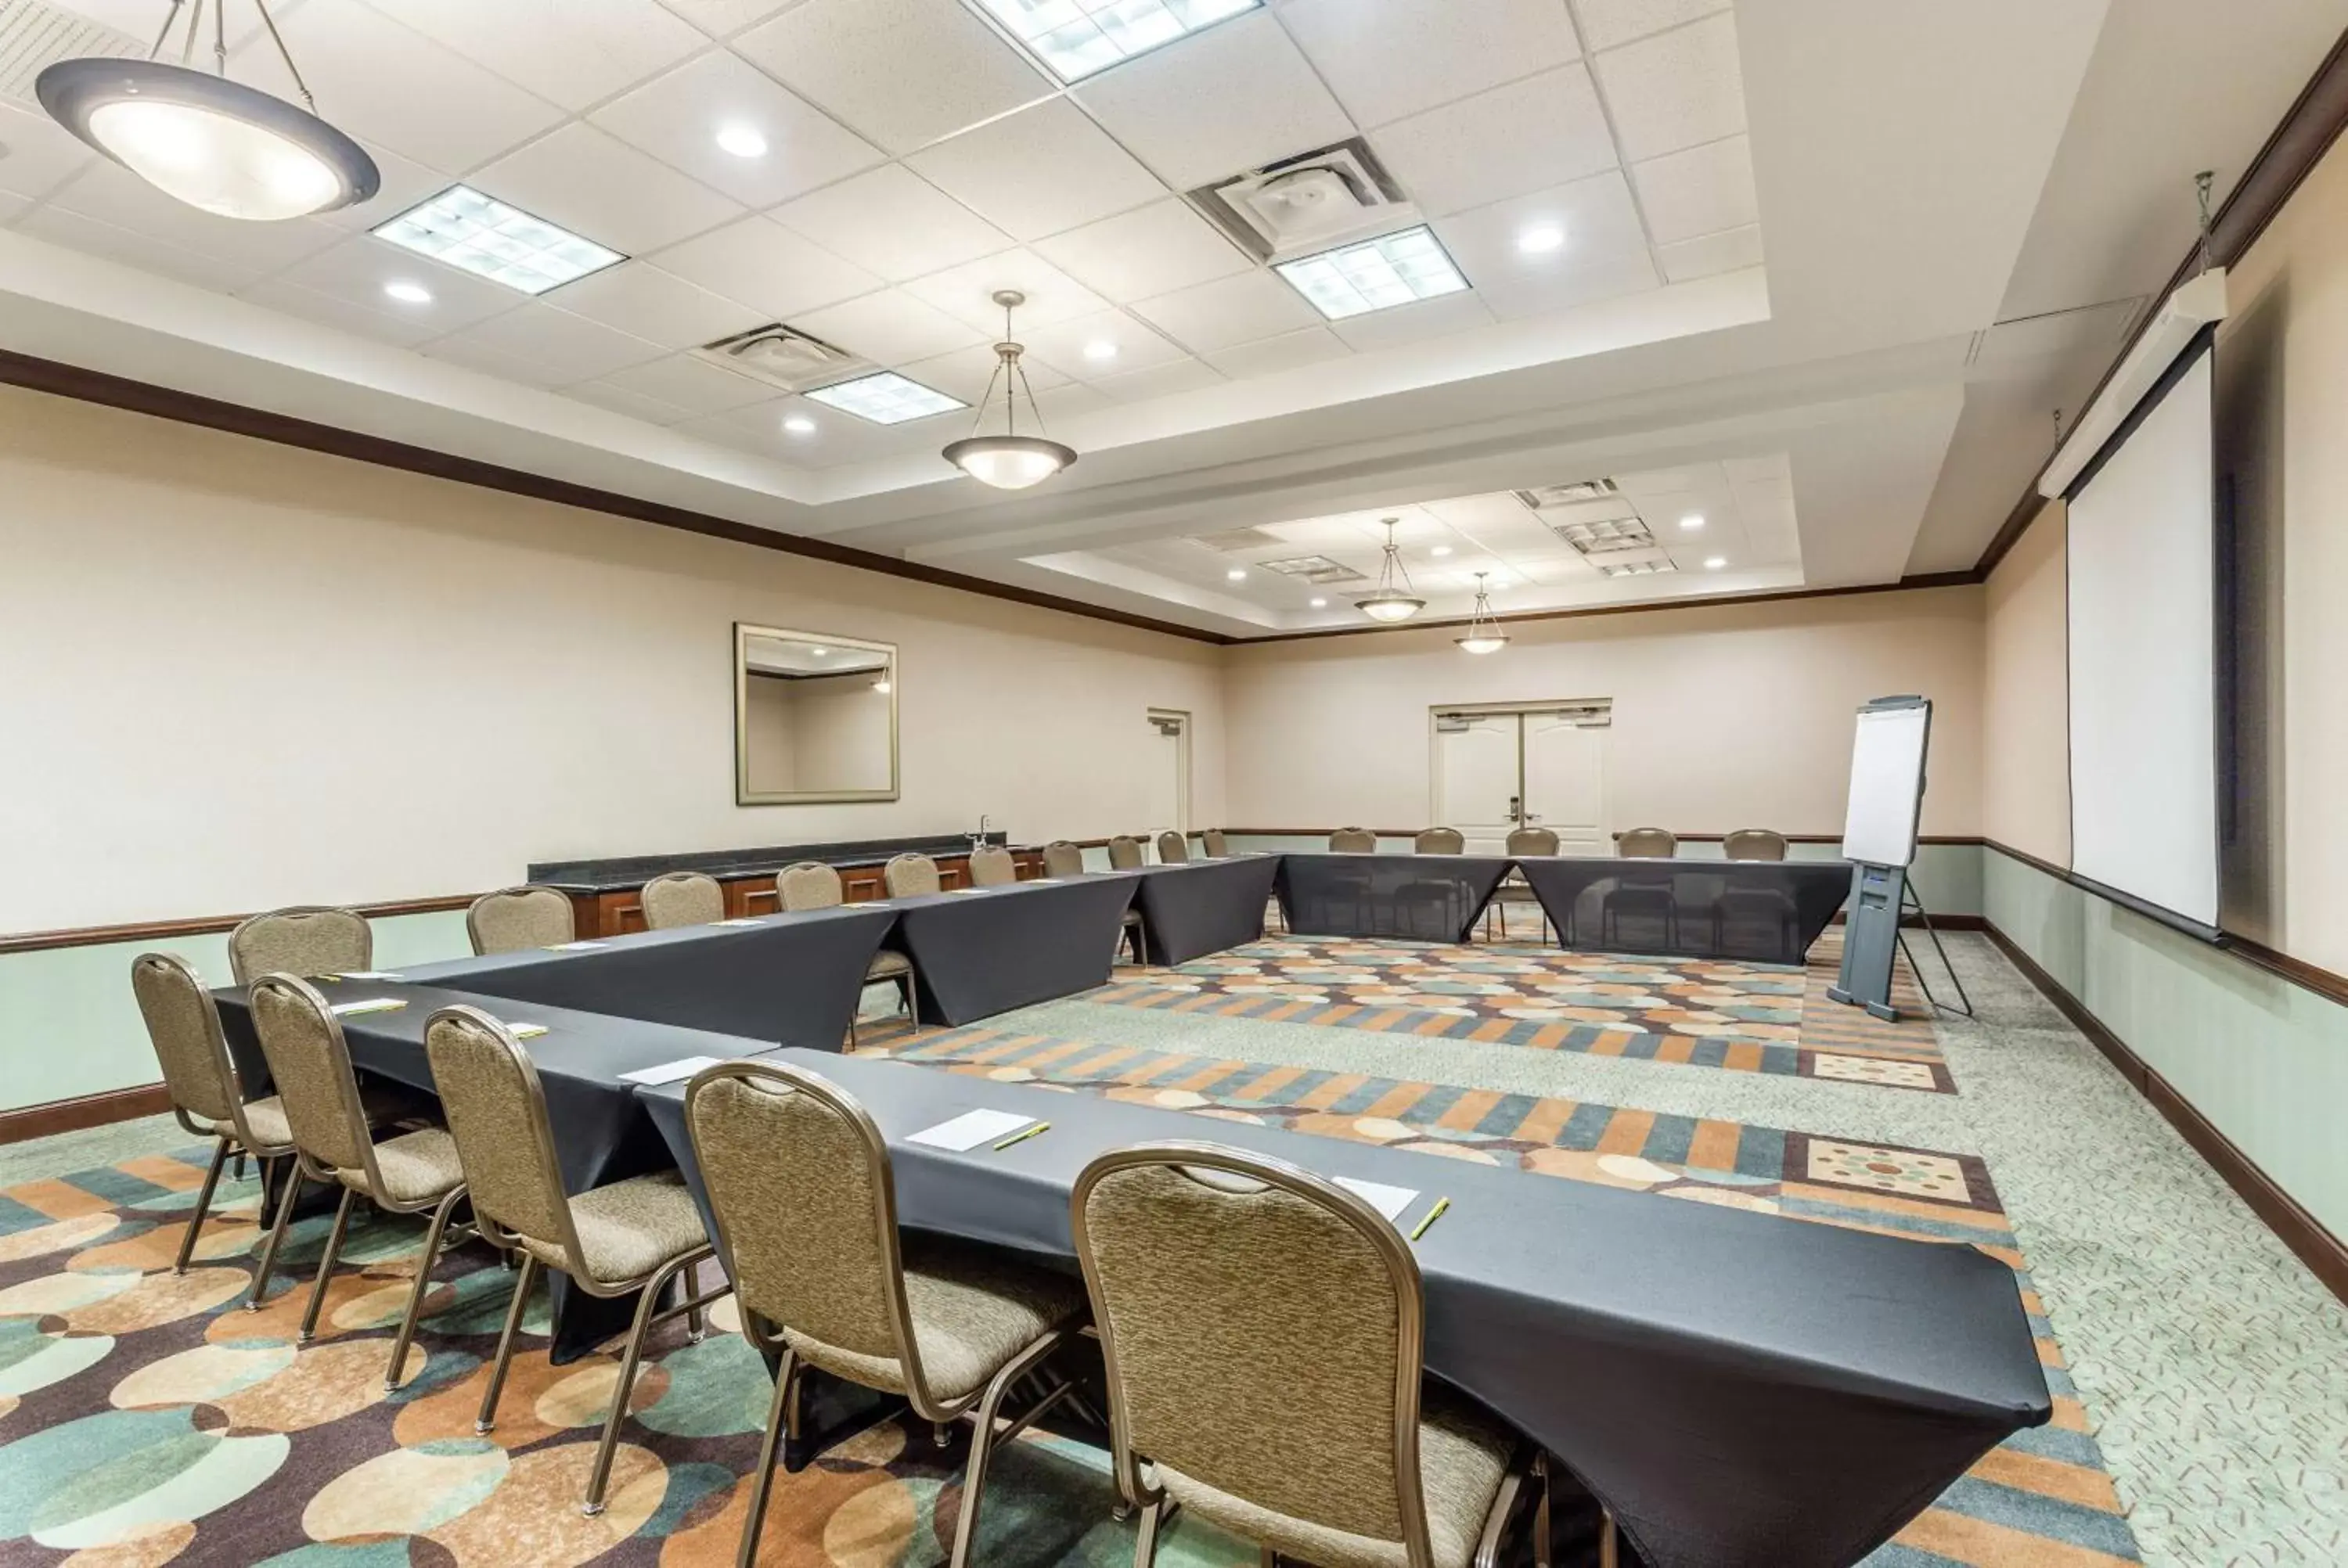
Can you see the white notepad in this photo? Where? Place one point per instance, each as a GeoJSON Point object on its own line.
{"type": "Point", "coordinates": [371, 1004]}
{"type": "Point", "coordinates": [670, 1071]}
{"type": "Point", "coordinates": [741, 922]}
{"type": "Point", "coordinates": [1388, 1201]}
{"type": "Point", "coordinates": [972, 1128]}
{"type": "Point", "coordinates": [575, 947]}
{"type": "Point", "coordinates": [366, 975]}
{"type": "Point", "coordinates": [524, 1031]}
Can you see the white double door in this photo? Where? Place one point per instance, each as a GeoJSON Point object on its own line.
{"type": "Point", "coordinates": [1498, 771]}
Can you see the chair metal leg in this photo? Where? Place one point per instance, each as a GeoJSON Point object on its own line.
{"type": "Point", "coordinates": [693, 1331]}
{"type": "Point", "coordinates": [646, 1308]}
{"type": "Point", "coordinates": [981, 1442]}
{"type": "Point", "coordinates": [276, 1234]}
{"type": "Point", "coordinates": [326, 1261]}
{"type": "Point", "coordinates": [1266, 1557]}
{"type": "Point", "coordinates": [1610, 1551]}
{"type": "Point", "coordinates": [239, 1165]}
{"type": "Point", "coordinates": [778, 1416]}
{"type": "Point", "coordinates": [203, 1206]}
{"type": "Point", "coordinates": [423, 1287]}
{"type": "Point", "coordinates": [1144, 1541]}
{"type": "Point", "coordinates": [486, 1423]}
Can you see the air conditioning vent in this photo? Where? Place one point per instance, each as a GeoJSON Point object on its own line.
{"type": "Point", "coordinates": [34, 37]}
{"type": "Point", "coordinates": [785, 357]}
{"type": "Point", "coordinates": [1236, 541]}
{"type": "Point", "coordinates": [1314, 569]}
{"type": "Point", "coordinates": [1576, 494]}
{"type": "Point", "coordinates": [1607, 536]}
{"type": "Point", "coordinates": [1308, 203]}
{"type": "Point", "coordinates": [1648, 566]}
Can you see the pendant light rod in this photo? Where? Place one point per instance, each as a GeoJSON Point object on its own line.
{"type": "Point", "coordinates": [1009, 461]}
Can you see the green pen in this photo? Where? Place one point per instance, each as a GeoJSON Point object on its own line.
{"type": "Point", "coordinates": [1024, 1134]}
{"type": "Point", "coordinates": [1432, 1214]}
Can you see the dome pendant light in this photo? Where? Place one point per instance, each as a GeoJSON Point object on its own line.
{"type": "Point", "coordinates": [1390, 603]}
{"type": "Point", "coordinates": [1483, 634]}
{"type": "Point", "coordinates": [1009, 461]}
{"type": "Point", "coordinates": [203, 140]}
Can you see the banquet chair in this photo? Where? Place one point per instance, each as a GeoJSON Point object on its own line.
{"type": "Point", "coordinates": [1774, 905]}
{"type": "Point", "coordinates": [1063, 857]}
{"type": "Point", "coordinates": [1754, 844]}
{"type": "Point", "coordinates": [804, 1198]}
{"type": "Point", "coordinates": [1439, 841]}
{"type": "Point", "coordinates": [682, 898]}
{"type": "Point", "coordinates": [1124, 852]}
{"type": "Point", "coordinates": [1173, 848]}
{"type": "Point", "coordinates": [1434, 892]}
{"type": "Point", "coordinates": [1353, 841]}
{"type": "Point", "coordinates": [407, 1173]}
{"type": "Point", "coordinates": [199, 1075]}
{"type": "Point", "coordinates": [1217, 847]}
{"type": "Point", "coordinates": [1297, 1418]}
{"type": "Point", "coordinates": [1524, 843]}
{"type": "Point", "coordinates": [301, 939]}
{"type": "Point", "coordinates": [911, 877]}
{"type": "Point", "coordinates": [992, 865]}
{"type": "Point", "coordinates": [1352, 882]}
{"type": "Point", "coordinates": [1638, 894]}
{"type": "Point", "coordinates": [631, 1237]}
{"type": "Point", "coordinates": [513, 919]}
{"type": "Point", "coordinates": [812, 884]}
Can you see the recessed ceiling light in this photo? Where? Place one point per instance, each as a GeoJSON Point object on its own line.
{"type": "Point", "coordinates": [1077, 39]}
{"type": "Point", "coordinates": [1693, 521]}
{"type": "Point", "coordinates": [1376, 274]}
{"type": "Point", "coordinates": [885, 397]}
{"type": "Point", "coordinates": [1237, 574]}
{"type": "Point", "coordinates": [1440, 551]}
{"type": "Point", "coordinates": [409, 294]}
{"type": "Point", "coordinates": [1536, 238]}
{"type": "Point", "coordinates": [1100, 349]}
{"type": "Point", "coordinates": [1714, 563]}
{"type": "Point", "coordinates": [485, 237]}
{"type": "Point", "coordinates": [799, 424]}
{"type": "Point", "coordinates": [1320, 604]}
{"type": "Point", "coordinates": [742, 140]}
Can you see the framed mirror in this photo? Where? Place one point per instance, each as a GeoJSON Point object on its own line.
{"type": "Point", "coordinates": [815, 717]}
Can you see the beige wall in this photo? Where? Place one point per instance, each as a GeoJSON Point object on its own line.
{"type": "Point", "coordinates": [2025, 715]}
{"type": "Point", "coordinates": [1725, 716]}
{"type": "Point", "coordinates": [234, 675]}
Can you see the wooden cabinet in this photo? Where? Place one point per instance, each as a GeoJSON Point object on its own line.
{"type": "Point", "coordinates": [613, 914]}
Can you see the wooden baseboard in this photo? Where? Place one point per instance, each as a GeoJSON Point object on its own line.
{"type": "Point", "coordinates": [2323, 1253]}
{"type": "Point", "coordinates": [88, 1111]}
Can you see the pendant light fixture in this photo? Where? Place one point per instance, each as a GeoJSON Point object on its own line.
{"type": "Point", "coordinates": [1009, 461]}
{"type": "Point", "coordinates": [1483, 634]}
{"type": "Point", "coordinates": [203, 140]}
{"type": "Point", "coordinates": [1389, 602]}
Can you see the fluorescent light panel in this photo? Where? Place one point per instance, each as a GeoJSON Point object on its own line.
{"type": "Point", "coordinates": [885, 398]}
{"type": "Point", "coordinates": [483, 235]}
{"type": "Point", "coordinates": [1077, 37]}
{"type": "Point", "coordinates": [1397, 269]}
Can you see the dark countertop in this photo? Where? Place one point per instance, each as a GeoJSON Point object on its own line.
{"type": "Point", "coordinates": [623, 873]}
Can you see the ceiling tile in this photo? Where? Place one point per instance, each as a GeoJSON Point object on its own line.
{"type": "Point", "coordinates": [357, 271]}
{"type": "Point", "coordinates": [385, 82]}
{"type": "Point", "coordinates": [572, 54]}
{"type": "Point", "coordinates": [37, 153]}
{"type": "Point", "coordinates": [405, 182]}
{"type": "Point", "coordinates": [1067, 346]}
{"type": "Point", "coordinates": [677, 118]}
{"type": "Point", "coordinates": [634, 404]}
{"type": "Point", "coordinates": [893, 223]}
{"type": "Point", "coordinates": [1166, 380]}
{"type": "Point", "coordinates": [1702, 191]}
{"type": "Point", "coordinates": [329, 310]}
{"type": "Point", "coordinates": [75, 232]}
{"type": "Point", "coordinates": [112, 194]}
{"type": "Point", "coordinates": [1152, 251]}
{"type": "Point", "coordinates": [765, 266]}
{"type": "Point", "coordinates": [723, 18]}
{"type": "Point", "coordinates": [965, 372]}
{"type": "Point", "coordinates": [599, 187]}
{"type": "Point", "coordinates": [659, 307]}
{"type": "Point", "coordinates": [1234, 310]}
{"type": "Point", "coordinates": [901, 73]}
{"type": "Point", "coordinates": [967, 293]}
{"type": "Point", "coordinates": [1607, 23]}
{"type": "Point", "coordinates": [1404, 57]}
{"type": "Point", "coordinates": [1044, 170]}
{"type": "Point", "coordinates": [1702, 257]}
{"type": "Point", "coordinates": [690, 384]}
{"type": "Point", "coordinates": [1676, 89]}
{"type": "Point", "coordinates": [1273, 354]}
{"type": "Point", "coordinates": [889, 328]}
{"type": "Point", "coordinates": [1604, 255]}
{"type": "Point", "coordinates": [1437, 317]}
{"type": "Point", "coordinates": [1229, 99]}
{"type": "Point", "coordinates": [13, 207]}
{"type": "Point", "coordinates": [1070, 399]}
{"type": "Point", "coordinates": [1527, 136]}
{"type": "Point", "coordinates": [545, 345]}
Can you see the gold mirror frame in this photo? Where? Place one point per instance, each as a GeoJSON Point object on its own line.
{"type": "Point", "coordinates": [742, 793]}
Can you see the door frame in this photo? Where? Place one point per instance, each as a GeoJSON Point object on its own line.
{"type": "Point", "coordinates": [1179, 717]}
{"type": "Point", "coordinates": [1601, 715]}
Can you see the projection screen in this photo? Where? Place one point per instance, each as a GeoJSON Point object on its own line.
{"type": "Point", "coordinates": [2143, 657]}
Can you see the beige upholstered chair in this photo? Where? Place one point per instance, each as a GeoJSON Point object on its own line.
{"type": "Point", "coordinates": [992, 865]}
{"type": "Point", "coordinates": [513, 919]}
{"type": "Point", "coordinates": [1648, 843]}
{"type": "Point", "coordinates": [407, 1174]}
{"type": "Point", "coordinates": [1295, 1417]}
{"type": "Point", "coordinates": [631, 1237]}
{"type": "Point", "coordinates": [799, 1183]}
{"type": "Point", "coordinates": [910, 876]}
{"type": "Point", "coordinates": [1439, 841]}
{"type": "Point", "coordinates": [1514, 890]}
{"type": "Point", "coordinates": [1173, 848]}
{"type": "Point", "coordinates": [1650, 895]}
{"type": "Point", "coordinates": [812, 884]}
{"type": "Point", "coordinates": [1216, 845]}
{"type": "Point", "coordinates": [1124, 852]}
{"type": "Point", "coordinates": [1525, 841]}
{"type": "Point", "coordinates": [1754, 844]}
{"type": "Point", "coordinates": [1061, 857]}
{"type": "Point", "coordinates": [1354, 841]}
{"type": "Point", "coordinates": [302, 939]}
{"type": "Point", "coordinates": [201, 1076]}
{"type": "Point", "coordinates": [682, 898]}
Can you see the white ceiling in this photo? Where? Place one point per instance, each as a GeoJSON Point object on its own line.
{"type": "Point", "coordinates": [1923, 172]}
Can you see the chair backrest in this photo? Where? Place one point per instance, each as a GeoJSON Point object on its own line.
{"type": "Point", "coordinates": [1217, 847]}
{"type": "Point", "coordinates": [1648, 843]}
{"type": "Point", "coordinates": [514, 918]}
{"type": "Point", "coordinates": [1063, 858]}
{"type": "Point", "coordinates": [183, 1022]}
{"type": "Point", "coordinates": [497, 1113]}
{"type": "Point", "coordinates": [1532, 841]}
{"type": "Point", "coordinates": [1755, 844]}
{"type": "Point", "coordinates": [1302, 1401]}
{"type": "Point", "coordinates": [990, 866]}
{"type": "Point", "coordinates": [1439, 841]}
{"type": "Point", "coordinates": [1124, 853]}
{"type": "Point", "coordinates": [301, 939]}
{"type": "Point", "coordinates": [910, 876]}
{"type": "Point", "coordinates": [805, 1203]}
{"type": "Point", "coordinates": [810, 884]}
{"type": "Point", "coordinates": [1173, 848]}
{"type": "Point", "coordinates": [1354, 841]}
{"type": "Point", "coordinates": [310, 1066]}
{"type": "Point", "coordinates": [682, 898]}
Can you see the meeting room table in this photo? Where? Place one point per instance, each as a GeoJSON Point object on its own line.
{"type": "Point", "coordinates": [1421, 897]}
{"type": "Point", "coordinates": [1740, 1391]}
{"type": "Point", "coordinates": [1190, 908]}
{"type": "Point", "coordinates": [978, 951]}
{"type": "Point", "coordinates": [1756, 911]}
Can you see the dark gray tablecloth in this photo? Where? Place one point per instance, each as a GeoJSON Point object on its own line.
{"type": "Point", "coordinates": [1203, 907]}
{"type": "Point", "coordinates": [1743, 1391]}
{"type": "Point", "coordinates": [985, 950]}
{"type": "Point", "coordinates": [1427, 897]}
{"type": "Point", "coordinates": [1766, 911]}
